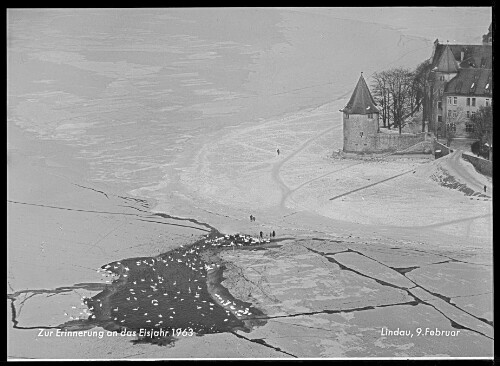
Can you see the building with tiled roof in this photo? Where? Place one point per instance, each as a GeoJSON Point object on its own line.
{"type": "Point", "coordinates": [361, 130]}
{"type": "Point", "coordinates": [446, 63]}
{"type": "Point", "coordinates": [361, 101]}
{"type": "Point", "coordinates": [467, 56]}
{"type": "Point", "coordinates": [471, 82]}
{"type": "Point", "coordinates": [460, 82]}
{"type": "Point", "coordinates": [360, 119]}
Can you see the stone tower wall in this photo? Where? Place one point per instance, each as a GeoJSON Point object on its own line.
{"type": "Point", "coordinates": [360, 133]}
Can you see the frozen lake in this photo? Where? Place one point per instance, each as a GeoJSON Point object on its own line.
{"type": "Point", "coordinates": [131, 90]}
{"type": "Point", "coordinates": [131, 133]}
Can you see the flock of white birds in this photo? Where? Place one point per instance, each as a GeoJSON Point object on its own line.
{"type": "Point", "coordinates": [170, 291]}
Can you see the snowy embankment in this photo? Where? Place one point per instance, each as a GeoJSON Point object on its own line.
{"type": "Point", "coordinates": [240, 172]}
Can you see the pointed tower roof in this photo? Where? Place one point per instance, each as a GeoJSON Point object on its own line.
{"type": "Point", "coordinates": [447, 62]}
{"type": "Point", "coordinates": [361, 101]}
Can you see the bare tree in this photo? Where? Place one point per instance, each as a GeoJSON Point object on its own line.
{"type": "Point", "coordinates": [404, 95]}
{"type": "Point", "coordinates": [422, 85]}
{"type": "Point", "coordinates": [382, 97]}
{"type": "Point", "coordinates": [458, 117]}
{"type": "Point", "coordinates": [399, 93]}
{"type": "Point", "coordinates": [482, 122]}
{"type": "Point", "coordinates": [487, 38]}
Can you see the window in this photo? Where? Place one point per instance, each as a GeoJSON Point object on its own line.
{"type": "Point", "coordinates": [370, 115]}
{"type": "Point", "coordinates": [449, 100]}
{"type": "Point", "coordinates": [469, 127]}
{"type": "Point", "coordinates": [346, 115]}
{"type": "Point", "coordinates": [473, 113]}
{"type": "Point", "coordinates": [487, 102]}
{"type": "Point", "coordinates": [467, 102]}
{"type": "Point", "coordinates": [468, 114]}
{"type": "Point", "coordinates": [455, 114]}
{"type": "Point", "coordinates": [449, 113]}
{"type": "Point", "coordinates": [452, 127]}
{"type": "Point", "coordinates": [440, 105]}
{"type": "Point", "coordinates": [455, 100]}
{"type": "Point", "coordinates": [473, 102]}
{"type": "Point", "coordinates": [440, 118]}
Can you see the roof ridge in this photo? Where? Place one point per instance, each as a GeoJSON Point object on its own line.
{"type": "Point", "coordinates": [473, 82]}
{"type": "Point", "coordinates": [361, 101]}
{"type": "Point", "coordinates": [447, 61]}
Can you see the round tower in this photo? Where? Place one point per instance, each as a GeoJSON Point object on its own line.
{"type": "Point", "coordinates": [360, 120]}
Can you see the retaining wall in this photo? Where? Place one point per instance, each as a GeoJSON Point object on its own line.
{"type": "Point", "coordinates": [422, 147]}
{"type": "Point", "coordinates": [483, 166]}
{"type": "Point", "coordinates": [394, 142]}
{"type": "Point", "coordinates": [444, 149]}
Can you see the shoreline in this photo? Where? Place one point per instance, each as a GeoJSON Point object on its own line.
{"type": "Point", "coordinates": [157, 205]}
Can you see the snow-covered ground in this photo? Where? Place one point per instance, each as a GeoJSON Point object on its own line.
{"type": "Point", "coordinates": [241, 169]}
{"type": "Point", "coordinates": [114, 114]}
